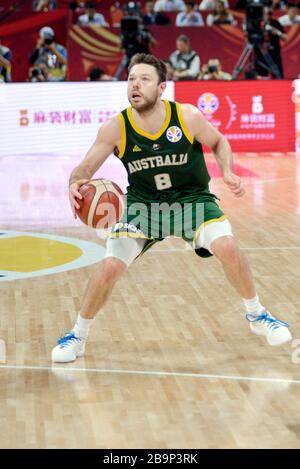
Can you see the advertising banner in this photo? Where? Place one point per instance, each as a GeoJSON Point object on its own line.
{"type": "Point", "coordinates": [64, 118]}
{"type": "Point", "coordinates": [61, 118]}
{"type": "Point", "coordinates": [254, 116]}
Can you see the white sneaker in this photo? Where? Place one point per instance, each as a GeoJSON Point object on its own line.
{"type": "Point", "coordinates": [276, 331]}
{"type": "Point", "coordinates": [68, 348]}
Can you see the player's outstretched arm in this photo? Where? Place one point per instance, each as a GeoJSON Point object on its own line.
{"type": "Point", "coordinates": [207, 134]}
{"type": "Point", "coordinates": [107, 139]}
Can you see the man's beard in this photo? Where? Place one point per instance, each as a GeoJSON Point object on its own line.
{"type": "Point", "coordinates": [147, 105]}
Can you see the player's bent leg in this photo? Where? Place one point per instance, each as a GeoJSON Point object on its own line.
{"type": "Point", "coordinates": [219, 240]}
{"type": "Point", "coordinates": [235, 264]}
{"type": "Point", "coordinates": [72, 344]}
{"type": "Point", "coordinates": [120, 253]}
{"type": "Point", "coordinates": [100, 285]}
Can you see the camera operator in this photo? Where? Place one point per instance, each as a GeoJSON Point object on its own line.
{"type": "Point", "coordinates": [273, 34]}
{"type": "Point", "coordinates": [213, 71]}
{"type": "Point", "coordinates": [135, 38]}
{"type": "Point", "coordinates": [48, 52]}
{"type": "Point", "coordinates": [38, 74]}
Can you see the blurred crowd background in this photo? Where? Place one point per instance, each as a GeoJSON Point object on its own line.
{"type": "Point", "coordinates": [59, 40]}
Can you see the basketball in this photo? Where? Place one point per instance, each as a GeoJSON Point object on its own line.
{"type": "Point", "coordinates": [102, 203]}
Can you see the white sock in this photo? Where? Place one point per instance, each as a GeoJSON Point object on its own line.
{"type": "Point", "coordinates": [253, 306]}
{"type": "Point", "coordinates": [82, 327]}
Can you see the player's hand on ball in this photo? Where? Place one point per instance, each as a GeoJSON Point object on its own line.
{"type": "Point", "coordinates": [234, 183]}
{"type": "Point", "coordinates": [75, 194]}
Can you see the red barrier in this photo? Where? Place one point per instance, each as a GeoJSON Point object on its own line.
{"type": "Point", "coordinates": [254, 118]}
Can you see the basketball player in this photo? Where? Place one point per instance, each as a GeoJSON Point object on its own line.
{"type": "Point", "coordinates": [160, 144]}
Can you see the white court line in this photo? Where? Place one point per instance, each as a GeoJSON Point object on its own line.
{"type": "Point", "coordinates": [150, 373]}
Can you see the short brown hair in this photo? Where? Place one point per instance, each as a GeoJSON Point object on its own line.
{"type": "Point", "coordinates": [149, 59]}
{"type": "Point", "coordinates": [183, 38]}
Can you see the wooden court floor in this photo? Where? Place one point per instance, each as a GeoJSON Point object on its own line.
{"type": "Point", "coordinates": [170, 362]}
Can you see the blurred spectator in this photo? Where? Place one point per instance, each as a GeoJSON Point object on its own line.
{"type": "Point", "coordinates": [291, 17]}
{"type": "Point", "coordinates": [91, 16]}
{"type": "Point", "coordinates": [117, 13]}
{"type": "Point", "coordinates": [221, 15]}
{"type": "Point", "coordinates": [97, 74]}
{"type": "Point", "coordinates": [44, 5]}
{"type": "Point", "coordinates": [189, 17]}
{"type": "Point", "coordinates": [76, 5]}
{"type": "Point", "coordinates": [213, 71]}
{"type": "Point", "coordinates": [170, 69]}
{"type": "Point", "coordinates": [185, 61]}
{"type": "Point", "coordinates": [169, 5]}
{"type": "Point", "coordinates": [211, 4]}
{"type": "Point", "coordinates": [51, 54]}
{"type": "Point", "coordinates": [154, 17]}
{"type": "Point", "coordinates": [276, 4]}
{"type": "Point", "coordinates": [5, 64]}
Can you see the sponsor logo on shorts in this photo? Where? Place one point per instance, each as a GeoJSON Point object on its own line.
{"type": "Point", "coordinates": [117, 227]}
{"type": "Point", "coordinates": [127, 227]}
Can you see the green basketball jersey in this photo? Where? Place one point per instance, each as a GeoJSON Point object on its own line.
{"type": "Point", "coordinates": [170, 161]}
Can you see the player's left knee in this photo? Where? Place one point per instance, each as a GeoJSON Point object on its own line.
{"type": "Point", "coordinates": [216, 238]}
{"type": "Point", "coordinates": [225, 248]}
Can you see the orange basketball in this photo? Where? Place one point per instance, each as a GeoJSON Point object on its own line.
{"type": "Point", "coordinates": [102, 203]}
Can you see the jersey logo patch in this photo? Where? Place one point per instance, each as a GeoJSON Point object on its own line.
{"type": "Point", "coordinates": [136, 148]}
{"type": "Point", "coordinates": [174, 134]}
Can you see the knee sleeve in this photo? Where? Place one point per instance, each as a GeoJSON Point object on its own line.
{"type": "Point", "coordinates": [212, 231]}
{"type": "Point", "coordinates": [124, 248]}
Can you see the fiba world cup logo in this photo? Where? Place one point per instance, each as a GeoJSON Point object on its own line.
{"type": "Point", "coordinates": [174, 134]}
{"type": "Point", "coordinates": [208, 103]}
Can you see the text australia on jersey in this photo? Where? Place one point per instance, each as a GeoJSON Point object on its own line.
{"type": "Point", "coordinates": [156, 161]}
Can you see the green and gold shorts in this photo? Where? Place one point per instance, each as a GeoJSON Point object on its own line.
{"type": "Point", "coordinates": [181, 215]}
